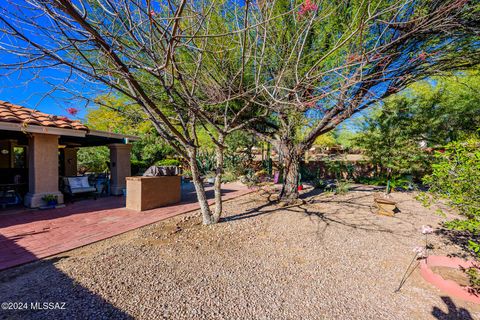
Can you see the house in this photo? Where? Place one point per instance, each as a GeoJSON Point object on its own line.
{"type": "Point", "coordinates": [37, 148]}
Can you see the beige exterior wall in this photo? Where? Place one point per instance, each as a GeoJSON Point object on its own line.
{"type": "Point", "coordinates": [144, 193]}
{"type": "Point", "coordinates": [43, 169]}
{"type": "Point", "coordinates": [120, 166]}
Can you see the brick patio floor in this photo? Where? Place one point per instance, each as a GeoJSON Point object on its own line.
{"type": "Point", "coordinates": [29, 235]}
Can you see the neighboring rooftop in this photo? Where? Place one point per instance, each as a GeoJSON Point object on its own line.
{"type": "Point", "coordinates": [14, 113]}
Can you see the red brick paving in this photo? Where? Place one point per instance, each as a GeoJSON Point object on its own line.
{"type": "Point", "coordinates": [29, 235]}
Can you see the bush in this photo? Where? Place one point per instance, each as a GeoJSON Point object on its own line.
{"type": "Point", "coordinates": [456, 178]}
{"type": "Point", "coordinates": [396, 183]}
{"type": "Point", "coordinates": [168, 162]}
{"type": "Point", "coordinates": [206, 161]}
{"type": "Point", "coordinates": [138, 166]}
{"type": "Point", "coordinates": [342, 187]}
{"type": "Point", "coordinates": [93, 159]}
{"type": "Point", "coordinates": [229, 176]}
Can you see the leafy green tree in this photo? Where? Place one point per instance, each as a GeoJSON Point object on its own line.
{"type": "Point", "coordinates": [93, 159]}
{"type": "Point", "coordinates": [389, 146]}
{"type": "Point", "coordinates": [116, 114]}
{"type": "Point", "coordinates": [399, 134]}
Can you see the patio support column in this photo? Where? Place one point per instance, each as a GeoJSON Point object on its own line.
{"type": "Point", "coordinates": [42, 169]}
{"type": "Point", "coordinates": [120, 166]}
{"type": "Point", "coordinates": [70, 161]}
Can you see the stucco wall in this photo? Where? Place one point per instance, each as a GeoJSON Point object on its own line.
{"type": "Point", "coordinates": [145, 193]}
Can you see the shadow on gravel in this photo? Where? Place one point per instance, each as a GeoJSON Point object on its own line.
{"type": "Point", "coordinates": [459, 238]}
{"type": "Point", "coordinates": [254, 212]}
{"type": "Point", "coordinates": [39, 290]}
{"type": "Point", "coordinates": [453, 312]}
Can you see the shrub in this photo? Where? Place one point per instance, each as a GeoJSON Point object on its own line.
{"type": "Point", "coordinates": [206, 161]}
{"type": "Point", "coordinates": [187, 174]}
{"type": "Point", "coordinates": [455, 178]}
{"type": "Point", "coordinates": [138, 166]}
{"type": "Point", "coordinates": [342, 187]}
{"type": "Point", "coordinates": [168, 162]}
{"type": "Point", "coordinates": [229, 176]}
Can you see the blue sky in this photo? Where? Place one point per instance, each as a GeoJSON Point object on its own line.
{"type": "Point", "coordinates": [33, 88]}
{"type": "Point", "coordinates": [29, 90]}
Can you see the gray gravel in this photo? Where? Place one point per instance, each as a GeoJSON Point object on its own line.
{"type": "Point", "coordinates": [331, 258]}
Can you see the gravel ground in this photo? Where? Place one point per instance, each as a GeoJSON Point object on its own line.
{"type": "Point", "coordinates": [331, 258]}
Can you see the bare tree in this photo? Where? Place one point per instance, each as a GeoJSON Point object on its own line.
{"type": "Point", "coordinates": [225, 66]}
{"type": "Point", "coordinates": [158, 55]}
{"type": "Point", "coordinates": [315, 65]}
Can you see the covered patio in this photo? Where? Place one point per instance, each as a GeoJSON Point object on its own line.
{"type": "Point", "coordinates": [36, 149]}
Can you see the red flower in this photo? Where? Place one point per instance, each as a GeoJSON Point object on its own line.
{"type": "Point", "coordinates": [421, 56]}
{"type": "Point", "coordinates": [307, 7]}
{"type": "Point", "coordinates": [309, 104]}
{"type": "Point", "coordinates": [393, 90]}
{"type": "Point", "coordinates": [354, 58]}
{"type": "Point", "coordinates": [72, 111]}
{"type": "Point", "coordinates": [152, 13]}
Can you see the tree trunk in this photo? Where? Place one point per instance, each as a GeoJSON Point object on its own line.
{"type": "Point", "coordinates": [219, 153]}
{"type": "Point", "coordinates": [199, 188]}
{"type": "Point", "coordinates": [291, 162]}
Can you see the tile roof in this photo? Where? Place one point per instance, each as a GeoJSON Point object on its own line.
{"type": "Point", "coordinates": [13, 113]}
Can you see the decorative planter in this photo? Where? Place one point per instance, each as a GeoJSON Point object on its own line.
{"type": "Point", "coordinates": [385, 206]}
{"type": "Point", "coordinates": [448, 286]}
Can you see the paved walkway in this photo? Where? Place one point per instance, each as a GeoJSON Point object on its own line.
{"type": "Point", "coordinates": [30, 235]}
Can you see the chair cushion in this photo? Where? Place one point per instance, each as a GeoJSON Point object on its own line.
{"type": "Point", "coordinates": [75, 182]}
{"type": "Point", "coordinates": [85, 183]}
{"type": "Point", "coordinates": [82, 190]}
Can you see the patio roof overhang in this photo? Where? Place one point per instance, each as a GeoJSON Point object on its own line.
{"type": "Point", "coordinates": [69, 137]}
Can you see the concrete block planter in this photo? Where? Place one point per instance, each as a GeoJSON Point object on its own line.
{"type": "Point", "coordinates": [144, 193]}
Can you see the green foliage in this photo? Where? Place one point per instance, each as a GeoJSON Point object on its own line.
{"type": "Point", "coordinates": [473, 274]}
{"type": "Point", "coordinates": [116, 114]}
{"type": "Point", "coordinates": [340, 169]}
{"type": "Point", "coordinates": [342, 187]}
{"type": "Point", "coordinates": [50, 198]}
{"type": "Point", "coordinates": [388, 144]}
{"type": "Point", "coordinates": [187, 173]}
{"type": "Point", "coordinates": [139, 166]}
{"type": "Point", "coordinates": [93, 159]}
{"type": "Point", "coordinates": [325, 140]}
{"type": "Point", "coordinates": [345, 137]}
{"type": "Point", "coordinates": [229, 177]}
{"type": "Point", "coordinates": [456, 178]}
{"type": "Point", "coordinates": [403, 182]}
{"type": "Point", "coordinates": [168, 162]}
{"type": "Point", "coordinates": [150, 148]}
{"type": "Point", "coordinates": [430, 113]}
{"type": "Point", "coordinates": [206, 161]}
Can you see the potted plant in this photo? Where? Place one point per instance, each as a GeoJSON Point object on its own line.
{"type": "Point", "coordinates": [50, 199]}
